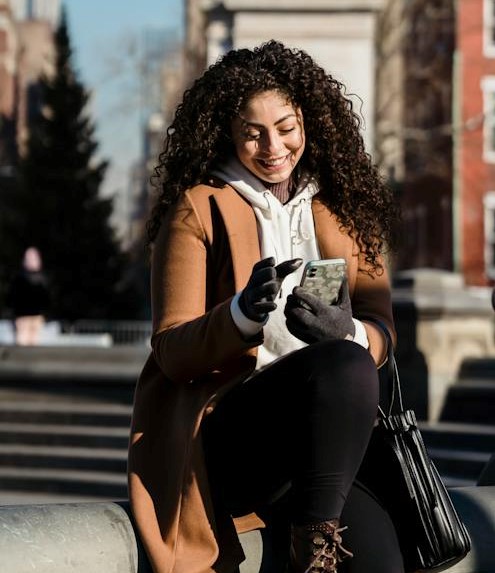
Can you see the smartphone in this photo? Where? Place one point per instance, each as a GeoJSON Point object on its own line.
{"type": "Point", "coordinates": [324, 278]}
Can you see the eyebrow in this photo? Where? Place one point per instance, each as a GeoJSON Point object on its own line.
{"type": "Point", "coordinates": [254, 124]}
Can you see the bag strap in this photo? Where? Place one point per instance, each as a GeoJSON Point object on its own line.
{"type": "Point", "coordinates": [393, 382]}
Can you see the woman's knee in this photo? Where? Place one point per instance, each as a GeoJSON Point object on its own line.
{"type": "Point", "coordinates": [343, 358]}
{"type": "Point", "coordinates": [343, 367]}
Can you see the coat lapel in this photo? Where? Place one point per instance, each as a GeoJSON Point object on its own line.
{"type": "Point", "coordinates": [331, 241]}
{"type": "Point", "coordinates": [240, 223]}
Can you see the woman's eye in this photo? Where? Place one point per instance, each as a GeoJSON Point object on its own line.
{"type": "Point", "coordinates": [252, 135]}
{"type": "Point", "coordinates": [286, 130]}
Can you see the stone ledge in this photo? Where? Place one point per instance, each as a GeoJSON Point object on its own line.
{"type": "Point", "coordinates": [100, 537]}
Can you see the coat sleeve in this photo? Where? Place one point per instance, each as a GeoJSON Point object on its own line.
{"type": "Point", "coordinates": [189, 340]}
{"type": "Point", "coordinates": [372, 299]}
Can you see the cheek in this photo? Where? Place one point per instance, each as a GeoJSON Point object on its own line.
{"type": "Point", "coordinates": [245, 150]}
{"type": "Point", "coordinates": [298, 143]}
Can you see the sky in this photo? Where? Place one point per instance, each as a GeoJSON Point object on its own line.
{"type": "Point", "coordinates": [105, 36]}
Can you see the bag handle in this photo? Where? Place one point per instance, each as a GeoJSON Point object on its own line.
{"type": "Point", "coordinates": [394, 388]}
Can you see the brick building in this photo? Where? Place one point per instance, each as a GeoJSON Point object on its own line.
{"type": "Point", "coordinates": [474, 190]}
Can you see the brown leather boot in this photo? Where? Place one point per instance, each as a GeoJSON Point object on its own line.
{"type": "Point", "coordinates": [317, 547]}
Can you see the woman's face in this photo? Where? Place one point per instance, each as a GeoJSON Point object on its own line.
{"type": "Point", "coordinates": [268, 136]}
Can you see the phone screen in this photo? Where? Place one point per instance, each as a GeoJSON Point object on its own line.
{"type": "Point", "coordinates": [324, 278]}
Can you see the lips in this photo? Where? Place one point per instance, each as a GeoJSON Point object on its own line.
{"type": "Point", "coordinates": [273, 162]}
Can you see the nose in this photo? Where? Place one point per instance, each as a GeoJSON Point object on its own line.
{"type": "Point", "coordinates": [271, 142]}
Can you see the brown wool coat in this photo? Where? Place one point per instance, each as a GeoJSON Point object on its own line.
{"type": "Point", "coordinates": [204, 253]}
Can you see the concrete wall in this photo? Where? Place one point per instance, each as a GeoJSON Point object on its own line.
{"type": "Point", "coordinates": [451, 322]}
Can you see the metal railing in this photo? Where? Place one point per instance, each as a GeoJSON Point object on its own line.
{"type": "Point", "coordinates": [122, 331]}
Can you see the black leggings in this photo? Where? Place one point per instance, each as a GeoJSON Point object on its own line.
{"type": "Point", "coordinates": [299, 430]}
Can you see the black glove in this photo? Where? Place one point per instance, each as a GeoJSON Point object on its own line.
{"type": "Point", "coordinates": [311, 320]}
{"type": "Point", "coordinates": [257, 298]}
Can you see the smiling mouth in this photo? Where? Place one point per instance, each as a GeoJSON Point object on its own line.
{"type": "Point", "coordinates": [273, 162]}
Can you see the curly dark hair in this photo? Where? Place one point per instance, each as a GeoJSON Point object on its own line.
{"type": "Point", "coordinates": [200, 137]}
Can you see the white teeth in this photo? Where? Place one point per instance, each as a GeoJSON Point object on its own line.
{"type": "Point", "coordinates": [274, 162]}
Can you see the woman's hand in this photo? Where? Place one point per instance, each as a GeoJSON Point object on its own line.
{"type": "Point", "coordinates": [257, 298]}
{"type": "Point", "coordinates": [311, 320]}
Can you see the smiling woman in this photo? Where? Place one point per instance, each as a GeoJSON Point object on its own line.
{"type": "Point", "coordinates": [269, 136]}
{"type": "Point", "coordinates": [257, 392]}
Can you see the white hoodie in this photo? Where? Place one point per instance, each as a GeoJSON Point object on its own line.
{"type": "Point", "coordinates": [285, 232]}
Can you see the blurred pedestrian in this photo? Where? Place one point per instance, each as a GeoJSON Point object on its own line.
{"type": "Point", "coordinates": [28, 299]}
{"type": "Point", "coordinates": [256, 387]}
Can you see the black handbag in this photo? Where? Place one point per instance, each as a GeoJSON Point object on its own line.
{"type": "Point", "coordinates": [399, 471]}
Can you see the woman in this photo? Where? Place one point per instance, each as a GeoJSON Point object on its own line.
{"type": "Point", "coordinates": [29, 299]}
{"type": "Point", "coordinates": [256, 391]}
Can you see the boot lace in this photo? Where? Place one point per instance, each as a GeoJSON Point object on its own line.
{"type": "Point", "coordinates": [327, 549]}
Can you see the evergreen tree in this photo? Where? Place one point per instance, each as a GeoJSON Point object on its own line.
{"type": "Point", "coordinates": [12, 243]}
{"type": "Point", "coordinates": [66, 218]}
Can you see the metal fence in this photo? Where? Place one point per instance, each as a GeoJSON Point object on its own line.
{"type": "Point", "coordinates": [121, 331]}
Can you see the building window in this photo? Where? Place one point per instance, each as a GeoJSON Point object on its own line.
{"type": "Point", "coordinates": [489, 224]}
{"type": "Point", "coordinates": [489, 28]}
{"type": "Point", "coordinates": [488, 88]}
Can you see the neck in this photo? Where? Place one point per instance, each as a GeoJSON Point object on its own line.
{"type": "Point", "coordinates": [283, 190]}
